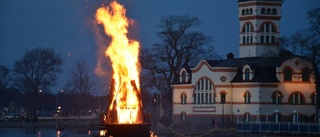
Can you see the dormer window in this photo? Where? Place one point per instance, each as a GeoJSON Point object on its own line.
{"type": "Point", "coordinates": [184, 76]}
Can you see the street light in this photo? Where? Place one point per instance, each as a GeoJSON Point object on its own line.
{"type": "Point", "coordinates": [294, 117]}
{"type": "Point", "coordinates": [266, 116]}
{"type": "Point", "coordinates": [276, 111]}
{"type": "Point", "coordinates": [258, 116]}
{"type": "Point", "coordinates": [57, 99]}
{"type": "Point", "coordinates": [223, 101]}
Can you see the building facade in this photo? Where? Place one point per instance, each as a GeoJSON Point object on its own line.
{"type": "Point", "coordinates": [253, 88]}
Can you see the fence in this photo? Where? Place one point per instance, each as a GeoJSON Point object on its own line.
{"type": "Point", "coordinates": [279, 127]}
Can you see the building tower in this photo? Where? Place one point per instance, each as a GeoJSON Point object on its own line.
{"type": "Point", "coordinates": [259, 27]}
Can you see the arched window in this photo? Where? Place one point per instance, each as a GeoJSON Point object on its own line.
{"type": "Point", "coordinates": [247, 11]}
{"type": "Point", "coordinates": [247, 97]}
{"type": "Point", "coordinates": [247, 28]}
{"type": "Point", "coordinates": [183, 116]}
{"type": "Point", "coordinates": [277, 97]}
{"type": "Point", "coordinates": [313, 98]}
{"type": "Point", "coordinates": [183, 98]}
{"type": "Point", "coordinates": [223, 98]}
{"type": "Point", "coordinates": [246, 32]}
{"type": "Point", "coordinates": [274, 11]}
{"type": "Point", "coordinates": [268, 33]}
{"type": "Point", "coordinates": [247, 75]}
{"type": "Point", "coordinates": [243, 12]}
{"type": "Point", "coordinates": [287, 75]}
{"type": "Point", "coordinates": [305, 75]}
{"type": "Point", "coordinates": [296, 98]}
{"type": "Point", "coordinates": [250, 11]}
{"type": "Point", "coordinates": [263, 11]}
{"type": "Point", "coordinates": [204, 92]}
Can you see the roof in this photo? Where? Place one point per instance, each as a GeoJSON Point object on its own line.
{"type": "Point", "coordinates": [264, 67]}
{"type": "Point", "coordinates": [251, 61]}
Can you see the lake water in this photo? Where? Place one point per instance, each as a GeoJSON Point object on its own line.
{"type": "Point", "coordinates": [48, 132]}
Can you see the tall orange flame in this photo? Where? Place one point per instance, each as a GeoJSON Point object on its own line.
{"type": "Point", "coordinates": [123, 54]}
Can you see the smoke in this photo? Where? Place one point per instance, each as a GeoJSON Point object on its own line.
{"type": "Point", "coordinates": [103, 67]}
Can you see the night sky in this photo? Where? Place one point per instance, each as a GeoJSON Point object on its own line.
{"type": "Point", "coordinates": [66, 25]}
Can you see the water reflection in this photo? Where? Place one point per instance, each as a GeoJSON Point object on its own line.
{"type": "Point", "coordinates": [44, 132]}
{"type": "Point", "coordinates": [52, 132]}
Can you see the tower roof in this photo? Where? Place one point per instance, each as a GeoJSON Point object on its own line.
{"type": "Point", "coordinates": [258, 0]}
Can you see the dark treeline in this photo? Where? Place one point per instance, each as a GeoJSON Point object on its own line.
{"type": "Point", "coordinates": [15, 103]}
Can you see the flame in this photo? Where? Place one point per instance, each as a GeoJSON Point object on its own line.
{"type": "Point", "coordinates": [123, 54]}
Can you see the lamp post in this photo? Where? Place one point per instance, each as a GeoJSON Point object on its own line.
{"type": "Point", "coordinates": [238, 110]}
{"type": "Point", "coordinates": [258, 116]}
{"type": "Point", "coordinates": [276, 111]}
{"type": "Point", "coordinates": [222, 102]}
{"type": "Point", "coordinates": [40, 91]}
{"type": "Point", "coordinates": [266, 116]}
{"type": "Point", "coordinates": [57, 99]}
{"type": "Point", "coordinates": [294, 117]}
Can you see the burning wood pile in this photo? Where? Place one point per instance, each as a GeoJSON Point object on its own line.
{"type": "Point", "coordinates": [125, 115]}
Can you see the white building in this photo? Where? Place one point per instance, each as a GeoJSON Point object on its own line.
{"type": "Point", "coordinates": [252, 88]}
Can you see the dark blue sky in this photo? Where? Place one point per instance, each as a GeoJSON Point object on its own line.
{"type": "Point", "coordinates": [66, 25]}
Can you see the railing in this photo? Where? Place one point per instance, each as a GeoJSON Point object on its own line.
{"type": "Point", "coordinates": [279, 127]}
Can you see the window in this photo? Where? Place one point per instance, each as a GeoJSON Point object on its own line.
{"type": "Point", "coordinates": [268, 11]}
{"type": "Point", "coordinates": [223, 98]}
{"type": "Point", "coordinates": [204, 92]}
{"type": "Point", "coordinates": [276, 97]}
{"type": "Point", "coordinates": [247, 97]}
{"type": "Point", "coordinates": [305, 75]}
{"type": "Point", "coordinates": [243, 12]}
{"type": "Point", "coordinates": [247, 75]}
{"type": "Point", "coordinates": [313, 98]}
{"type": "Point", "coordinates": [243, 40]}
{"type": "Point", "coordinates": [266, 36]}
{"type": "Point", "coordinates": [261, 39]}
{"type": "Point", "coordinates": [183, 98]}
{"type": "Point", "coordinates": [296, 98]}
{"type": "Point", "coordinates": [267, 39]}
{"type": "Point", "coordinates": [267, 27]}
{"type": "Point", "coordinates": [287, 75]}
{"type": "Point", "coordinates": [274, 11]}
{"type": "Point", "coordinates": [184, 77]}
{"type": "Point", "coordinates": [273, 39]}
{"type": "Point", "coordinates": [263, 11]}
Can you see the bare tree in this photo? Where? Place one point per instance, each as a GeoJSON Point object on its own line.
{"type": "Point", "coordinates": [4, 76]}
{"type": "Point", "coordinates": [306, 43]}
{"type": "Point", "coordinates": [181, 45]}
{"type": "Point", "coordinates": [36, 70]}
{"type": "Point", "coordinates": [80, 80]}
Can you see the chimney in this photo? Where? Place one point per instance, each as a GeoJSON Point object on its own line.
{"type": "Point", "coordinates": [230, 55]}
